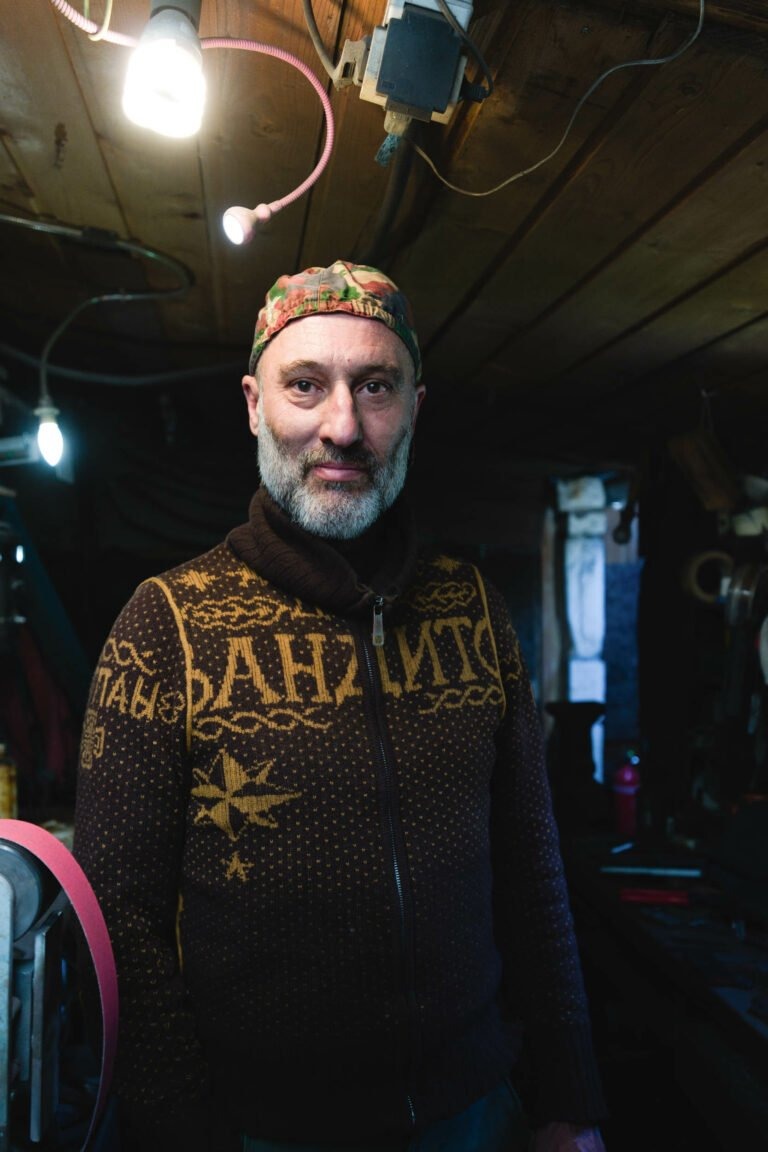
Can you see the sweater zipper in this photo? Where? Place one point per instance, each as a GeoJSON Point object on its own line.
{"type": "Point", "coordinates": [377, 635]}
{"type": "Point", "coordinates": [390, 819]}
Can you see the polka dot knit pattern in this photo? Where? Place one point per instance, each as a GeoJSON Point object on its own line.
{"type": "Point", "coordinates": [325, 865]}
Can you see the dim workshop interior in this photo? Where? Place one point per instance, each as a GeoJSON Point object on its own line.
{"type": "Point", "coordinates": [574, 196]}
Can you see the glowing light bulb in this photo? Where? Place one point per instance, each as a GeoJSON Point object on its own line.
{"type": "Point", "coordinates": [164, 85]}
{"type": "Point", "coordinates": [49, 438]}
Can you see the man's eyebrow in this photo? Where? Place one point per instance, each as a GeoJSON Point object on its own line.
{"type": "Point", "coordinates": [293, 366]}
{"type": "Point", "coordinates": [384, 367]}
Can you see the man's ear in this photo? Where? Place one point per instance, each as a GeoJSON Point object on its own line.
{"type": "Point", "coordinates": [421, 392]}
{"type": "Point", "coordinates": [251, 390]}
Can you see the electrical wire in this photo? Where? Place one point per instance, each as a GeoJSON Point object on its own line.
{"type": "Point", "coordinates": [91, 27]}
{"type": "Point", "coordinates": [317, 40]}
{"type": "Point", "coordinates": [106, 240]}
{"type": "Point", "coordinates": [616, 68]}
{"type": "Point", "coordinates": [464, 35]}
{"type": "Point", "coordinates": [100, 238]}
{"type": "Point", "coordinates": [104, 29]}
{"type": "Point", "coordinates": [103, 298]}
{"type": "Point", "coordinates": [118, 380]}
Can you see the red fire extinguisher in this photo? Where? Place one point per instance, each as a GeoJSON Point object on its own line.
{"type": "Point", "coordinates": [626, 785]}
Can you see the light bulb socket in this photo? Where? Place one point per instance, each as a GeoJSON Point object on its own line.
{"type": "Point", "coordinates": [47, 412]}
{"type": "Point", "coordinates": [190, 9]}
{"type": "Point", "coordinates": [172, 23]}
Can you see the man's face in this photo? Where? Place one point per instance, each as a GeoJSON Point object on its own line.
{"type": "Point", "coordinates": [334, 406]}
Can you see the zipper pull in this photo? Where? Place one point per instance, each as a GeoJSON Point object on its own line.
{"type": "Point", "coordinates": [378, 622]}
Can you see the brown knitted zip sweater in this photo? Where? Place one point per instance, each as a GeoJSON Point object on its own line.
{"type": "Point", "coordinates": [359, 839]}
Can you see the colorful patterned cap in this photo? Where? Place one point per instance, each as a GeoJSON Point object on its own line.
{"type": "Point", "coordinates": [354, 288]}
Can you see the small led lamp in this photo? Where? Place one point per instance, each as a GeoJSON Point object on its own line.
{"type": "Point", "coordinates": [238, 222]}
{"type": "Point", "coordinates": [164, 84]}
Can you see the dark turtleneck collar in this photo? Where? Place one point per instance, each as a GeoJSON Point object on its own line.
{"type": "Point", "coordinates": [339, 575]}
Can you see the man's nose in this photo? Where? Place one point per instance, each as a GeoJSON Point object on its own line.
{"type": "Point", "coordinates": [341, 419]}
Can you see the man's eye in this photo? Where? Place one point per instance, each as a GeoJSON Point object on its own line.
{"type": "Point", "coordinates": [375, 387]}
{"type": "Point", "coordinates": [303, 386]}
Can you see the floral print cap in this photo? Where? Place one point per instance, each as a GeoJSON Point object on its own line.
{"type": "Point", "coordinates": [343, 287]}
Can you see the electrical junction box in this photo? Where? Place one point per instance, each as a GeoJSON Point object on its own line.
{"type": "Point", "coordinates": [416, 60]}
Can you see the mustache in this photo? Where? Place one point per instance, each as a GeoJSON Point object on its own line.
{"type": "Point", "coordinates": [355, 454]}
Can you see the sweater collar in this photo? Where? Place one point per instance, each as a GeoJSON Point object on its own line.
{"type": "Point", "coordinates": [341, 576]}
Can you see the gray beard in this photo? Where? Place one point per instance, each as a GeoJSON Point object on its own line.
{"type": "Point", "coordinates": [334, 511]}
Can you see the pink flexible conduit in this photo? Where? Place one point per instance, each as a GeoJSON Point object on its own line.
{"type": "Point", "coordinates": [289, 58]}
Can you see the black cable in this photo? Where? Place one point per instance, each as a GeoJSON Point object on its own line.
{"type": "Point", "coordinates": [400, 171]}
{"type": "Point", "coordinates": [145, 379]}
{"type": "Point", "coordinates": [477, 92]}
{"type": "Point", "coordinates": [317, 40]}
{"type": "Point", "coordinates": [100, 238]}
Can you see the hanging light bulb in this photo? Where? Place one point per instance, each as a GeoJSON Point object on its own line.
{"type": "Point", "coordinates": [164, 85]}
{"type": "Point", "coordinates": [49, 438]}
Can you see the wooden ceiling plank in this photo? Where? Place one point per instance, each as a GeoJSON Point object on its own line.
{"type": "Point", "coordinates": [17, 197]}
{"type": "Point", "coordinates": [730, 361]}
{"type": "Point", "coordinates": [494, 34]}
{"type": "Point", "coordinates": [716, 333]}
{"type": "Point", "coordinates": [669, 264]}
{"type": "Point", "coordinates": [23, 246]}
{"type": "Point", "coordinates": [716, 365]}
{"type": "Point", "coordinates": [747, 15]}
{"type": "Point", "coordinates": [525, 145]}
{"type": "Point", "coordinates": [518, 124]}
{"type": "Point", "coordinates": [45, 122]}
{"type": "Point", "coordinates": [718, 307]}
{"type": "Point", "coordinates": [58, 167]}
{"type": "Point", "coordinates": [629, 206]}
{"type": "Point", "coordinates": [563, 253]}
{"type": "Point", "coordinates": [650, 411]}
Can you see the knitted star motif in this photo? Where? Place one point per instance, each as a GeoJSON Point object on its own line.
{"type": "Point", "coordinates": [231, 798]}
{"type": "Point", "coordinates": [237, 868]}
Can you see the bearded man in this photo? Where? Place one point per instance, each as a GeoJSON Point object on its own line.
{"type": "Point", "coordinates": [312, 799]}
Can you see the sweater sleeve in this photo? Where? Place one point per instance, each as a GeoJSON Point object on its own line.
{"type": "Point", "coordinates": [129, 835]}
{"type": "Point", "coordinates": [542, 975]}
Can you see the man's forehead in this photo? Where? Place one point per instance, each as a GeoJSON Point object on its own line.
{"type": "Point", "coordinates": [336, 340]}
